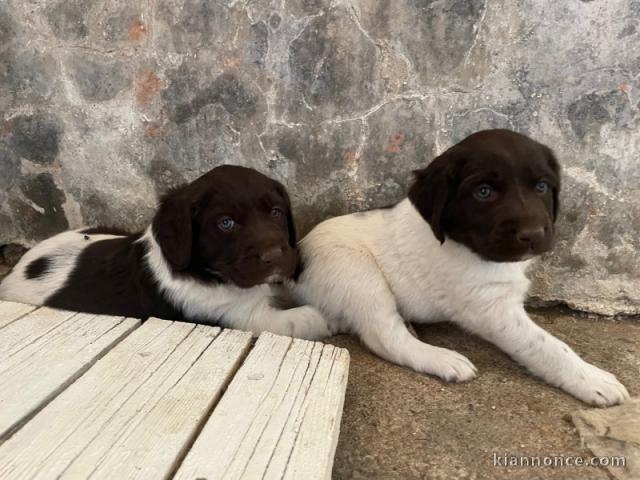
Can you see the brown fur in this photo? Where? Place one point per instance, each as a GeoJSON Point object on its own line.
{"type": "Point", "coordinates": [516, 220]}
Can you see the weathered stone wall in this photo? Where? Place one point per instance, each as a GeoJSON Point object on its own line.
{"type": "Point", "coordinates": [106, 103]}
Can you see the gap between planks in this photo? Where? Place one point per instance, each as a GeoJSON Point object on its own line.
{"type": "Point", "coordinates": [11, 311]}
{"type": "Point", "coordinates": [279, 418]}
{"type": "Point", "coordinates": [135, 412]}
{"type": "Point", "coordinates": [45, 351]}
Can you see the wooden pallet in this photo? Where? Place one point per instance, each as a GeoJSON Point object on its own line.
{"type": "Point", "coordinates": [95, 396]}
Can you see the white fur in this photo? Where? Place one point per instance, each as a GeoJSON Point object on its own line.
{"type": "Point", "coordinates": [247, 309]}
{"type": "Point", "coordinates": [63, 251]}
{"type": "Point", "coordinates": [370, 273]}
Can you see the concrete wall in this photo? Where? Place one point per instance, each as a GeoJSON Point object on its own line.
{"type": "Point", "coordinates": [105, 103]}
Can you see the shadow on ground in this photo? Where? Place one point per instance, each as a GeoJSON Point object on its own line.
{"type": "Point", "coordinates": [398, 424]}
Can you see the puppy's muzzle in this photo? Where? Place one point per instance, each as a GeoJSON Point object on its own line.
{"type": "Point", "coordinates": [271, 255]}
{"type": "Point", "coordinates": [532, 237]}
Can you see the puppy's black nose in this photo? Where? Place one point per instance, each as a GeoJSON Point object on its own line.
{"type": "Point", "coordinates": [271, 255]}
{"type": "Point", "coordinates": [530, 235]}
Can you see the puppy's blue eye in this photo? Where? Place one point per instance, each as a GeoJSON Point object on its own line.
{"type": "Point", "coordinates": [276, 212]}
{"type": "Point", "coordinates": [226, 224]}
{"type": "Point", "coordinates": [483, 192]}
{"type": "Point", "coordinates": [542, 187]}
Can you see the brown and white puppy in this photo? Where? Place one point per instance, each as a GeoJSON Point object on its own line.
{"type": "Point", "coordinates": [211, 255]}
{"type": "Point", "coordinates": [456, 249]}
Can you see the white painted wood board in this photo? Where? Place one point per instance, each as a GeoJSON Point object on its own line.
{"type": "Point", "coordinates": [280, 417]}
{"type": "Point", "coordinates": [11, 311]}
{"type": "Point", "coordinates": [136, 412]}
{"type": "Point", "coordinates": [29, 329]}
{"type": "Point", "coordinates": [42, 359]}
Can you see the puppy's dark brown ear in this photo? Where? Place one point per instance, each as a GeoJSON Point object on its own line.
{"type": "Point", "coordinates": [292, 228]}
{"type": "Point", "coordinates": [555, 167]}
{"type": "Point", "coordinates": [172, 230]}
{"type": "Point", "coordinates": [432, 189]}
{"type": "Point", "coordinates": [291, 225]}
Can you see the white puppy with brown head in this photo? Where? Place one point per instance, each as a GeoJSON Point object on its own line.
{"type": "Point", "coordinates": [456, 249]}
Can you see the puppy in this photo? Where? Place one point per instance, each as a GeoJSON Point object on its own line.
{"type": "Point", "coordinates": [456, 249]}
{"type": "Point", "coordinates": [211, 255]}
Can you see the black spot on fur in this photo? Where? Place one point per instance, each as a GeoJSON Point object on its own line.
{"type": "Point", "coordinates": [38, 268]}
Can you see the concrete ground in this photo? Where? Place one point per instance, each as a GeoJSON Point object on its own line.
{"type": "Point", "coordinates": [398, 424]}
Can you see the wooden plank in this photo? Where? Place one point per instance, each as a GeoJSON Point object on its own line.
{"type": "Point", "coordinates": [28, 329]}
{"type": "Point", "coordinates": [279, 418]}
{"type": "Point", "coordinates": [311, 441]}
{"type": "Point", "coordinates": [153, 443]}
{"type": "Point", "coordinates": [135, 412]}
{"type": "Point", "coordinates": [38, 366]}
{"type": "Point", "coordinates": [11, 311]}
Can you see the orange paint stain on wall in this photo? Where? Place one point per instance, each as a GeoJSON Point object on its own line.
{"type": "Point", "coordinates": [152, 130]}
{"type": "Point", "coordinates": [147, 85]}
{"type": "Point", "coordinates": [351, 157]}
{"type": "Point", "coordinates": [231, 62]}
{"type": "Point", "coordinates": [136, 30]}
{"type": "Point", "coordinates": [395, 143]}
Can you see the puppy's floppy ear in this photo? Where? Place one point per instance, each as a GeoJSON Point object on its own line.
{"type": "Point", "coordinates": [555, 168]}
{"type": "Point", "coordinates": [173, 231]}
{"type": "Point", "coordinates": [291, 226]}
{"type": "Point", "coordinates": [432, 189]}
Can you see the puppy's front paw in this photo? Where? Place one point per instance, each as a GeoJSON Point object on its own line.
{"type": "Point", "coordinates": [450, 366]}
{"type": "Point", "coordinates": [308, 323]}
{"type": "Point", "coordinates": [597, 387]}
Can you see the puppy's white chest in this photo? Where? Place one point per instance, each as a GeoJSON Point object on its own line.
{"type": "Point", "coordinates": [433, 282]}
